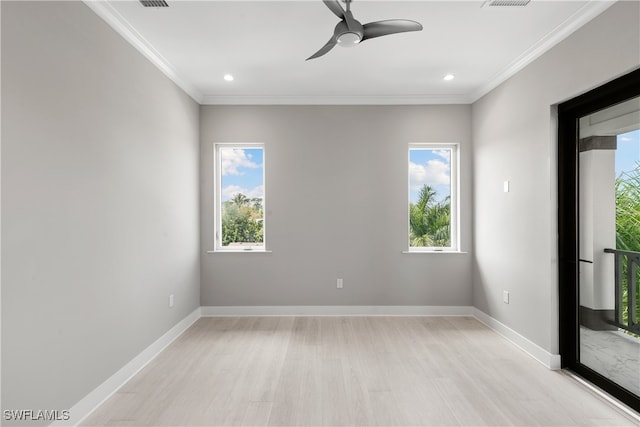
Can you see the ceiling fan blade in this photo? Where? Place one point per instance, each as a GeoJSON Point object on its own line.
{"type": "Point", "coordinates": [324, 49]}
{"type": "Point", "coordinates": [391, 26]}
{"type": "Point", "coordinates": [352, 24]}
{"type": "Point", "coordinates": [334, 6]}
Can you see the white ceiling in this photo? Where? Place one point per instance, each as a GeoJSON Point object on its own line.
{"type": "Point", "coordinates": [264, 44]}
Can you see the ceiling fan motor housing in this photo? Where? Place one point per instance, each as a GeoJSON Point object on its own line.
{"type": "Point", "coordinates": [348, 37]}
{"type": "Point", "coordinates": [350, 32]}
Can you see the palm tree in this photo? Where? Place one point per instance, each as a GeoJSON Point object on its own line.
{"type": "Point", "coordinates": [429, 220]}
{"type": "Point", "coordinates": [628, 210]}
{"type": "Point", "coordinates": [257, 204]}
{"type": "Point", "coordinates": [628, 230]}
{"type": "Point", "coordinates": [241, 220]}
{"type": "Point", "coordinates": [241, 200]}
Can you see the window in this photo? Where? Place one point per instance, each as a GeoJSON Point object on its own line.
{"type": "Point", "coordinates": [433, 197]}
{"type": "Point", "coordinates": [239, 197]}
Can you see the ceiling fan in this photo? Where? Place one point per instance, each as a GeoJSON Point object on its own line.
{"type": "Point", "coordinates": [349, 32]}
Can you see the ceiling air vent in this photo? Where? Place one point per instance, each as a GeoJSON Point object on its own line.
{"type": "Point", "coordinates": [505, 3]}
{"type": "Point", "coordinates": [154, 3]}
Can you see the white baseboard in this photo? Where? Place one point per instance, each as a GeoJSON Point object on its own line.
{"type": "Point", "coordinates": [90, 402]}
{"type": "Point", "coordinates": [551, 361]}
{"type": "Point", "coordinates": [336, 310]}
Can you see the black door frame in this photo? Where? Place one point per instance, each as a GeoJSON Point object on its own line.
{"type": "Point", "coordinates": [614, 92]}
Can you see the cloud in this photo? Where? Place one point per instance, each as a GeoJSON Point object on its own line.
{"type": "Point", "coordinates": [445, 154]}
{"type": "Point", "coordinates": [230, 191]}
{"type": "Point", "coordinates": [231, 160]}
{"type": "Point", "coordinates": [434, 172]}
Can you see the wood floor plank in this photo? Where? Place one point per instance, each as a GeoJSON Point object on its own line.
{"type": "Point", "coordinates": [333, 392]}
{"type": "Point", "coordinates": [386, 411]}
{"type": "Point", "coordinates": [349, 371]}
{"type": "Point", "coordinates": [257, 414]}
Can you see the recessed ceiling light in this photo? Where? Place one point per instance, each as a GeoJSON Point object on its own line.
{"type": "Point", "coordinates": [228, 77]}
{"type": "Point", "coordinates": [449, 77]}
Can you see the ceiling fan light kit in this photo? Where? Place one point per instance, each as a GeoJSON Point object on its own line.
{"type": "Point", "coordinates": [350, 32]}
{"type": "Point", "coordinates": [348, 39]}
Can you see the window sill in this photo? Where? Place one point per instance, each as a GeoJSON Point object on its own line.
{"type": "Point", "coordinates": [435, 252]}
{"type": "Point", "coordinates": [243, 251]}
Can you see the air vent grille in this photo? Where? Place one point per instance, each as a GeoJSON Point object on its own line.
{"type": "Point", "coordinates": [154, 3]}
{"type": "Point", "coordinates": [505, 3]}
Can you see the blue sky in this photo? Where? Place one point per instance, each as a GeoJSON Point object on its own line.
{"type": "Point", "coordinates": [628, 151]}
{"type": "Point", "coordinates": [242, 172]}
{"type": "Point", "coordinates": [242, 169]}
{"type": "Point", "coordinates": [431, 167]}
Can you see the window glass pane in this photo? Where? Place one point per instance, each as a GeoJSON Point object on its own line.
{"type": "Point", "coordinates": [430, 197]}
{"type": "Point", "coordinates": [241, 197]}
{"type": "Point", "coordinates": [627, 192]}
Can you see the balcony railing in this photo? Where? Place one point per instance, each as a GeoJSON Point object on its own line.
{"type": "Point", "coordinates": [626, 288]}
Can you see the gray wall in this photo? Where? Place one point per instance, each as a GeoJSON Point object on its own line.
{"type": "Point", "coordinates": [336, 197]}
{"type": "Point", "coordinates": [515, 139]}
{"type": "Point", "coordinates": [99, 203]}
{"type": "Point", "coordinates": [99, 176]}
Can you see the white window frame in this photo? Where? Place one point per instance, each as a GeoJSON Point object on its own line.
{"type": "Point", "coordinates": [217, 191]}
{"type": "Point", "coordinates": [455, 196]}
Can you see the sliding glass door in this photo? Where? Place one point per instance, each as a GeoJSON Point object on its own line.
{"type": "Point", "coordinates": [599, 225]}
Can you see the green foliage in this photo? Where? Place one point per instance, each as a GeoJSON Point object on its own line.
{"type": "Point", "coordinates": [628, 210]}
{"type": "Point", "coordinates": [429, 220]}
{"type": "Point", "coordinates": [242, 220]}
{"type": "Point", "coordinates": [628, 228]}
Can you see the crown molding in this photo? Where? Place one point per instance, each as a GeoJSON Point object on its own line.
{"type": "Point", "coordinates": [585, 14]}
{"type": "Point", "coordinates": [336, 100]}
{"type": "Point", "coordinates": [116, 21]}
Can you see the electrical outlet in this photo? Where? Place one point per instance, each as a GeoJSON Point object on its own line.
{"type": "Point", "coordinates": [505, 297]}
{"type": "Point", "coordinates": [171, 301]}
{"type": "Point", "coordinates": [339, 284]}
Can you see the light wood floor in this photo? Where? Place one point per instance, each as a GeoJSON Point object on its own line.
{"type": "Point", "coordinates": [349, 371]}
